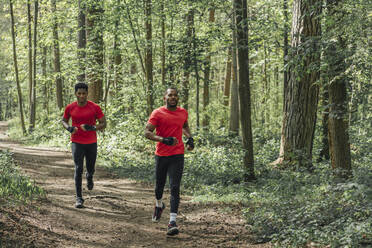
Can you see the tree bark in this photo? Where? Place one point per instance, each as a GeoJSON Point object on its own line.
{"type": "Point", "coordinates": [339, 145]}
{"type": "Point", "coordinates": [19, 91]}
{"type": "Point", "coordinates": [244, 87]}
{"type": "Point", "coordinates": [207, 74]}
{"type": "Point", "coordinates": [227, 83]}
{"type": "Point", "coordinates": [148, 57]}
{"type": "Point", "coordinates": [33, 93]}
{"type": "Point", "coordinates": [95, 67]}
{"type": "Point", "coordinates": [82, 42]}
{"type": "Point", "coordinates": [57, 63]}
{"type": "Point", "coordinates": [301, 99]}
{"type": "Point", "coordinates": [285, 50]}
{"type": "Point", "coordinates": [163, 72]}
{"type": "Point", "coordinates": [188, 58]}
{"type": "Point", "coordinates": [234, 101]}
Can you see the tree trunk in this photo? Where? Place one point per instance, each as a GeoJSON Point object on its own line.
{"type": "Point", "coordinates": [188, 61]}
{"type": "Point", "coordinates": [33, 93]}
{"type": "Point", "coordinates": [95, 67]}
{"type": "Point", "coordinates": [148, 58]}
{"type": "Point", "coordinates": [20, 102]}
{"type": "Point", "coordinates": [244, 87]}
{"type": "Point", "coordinates": [234, 101]}
{"type": "Point", "coordinates": [162, 43]}
{"type": "Point", "coordinates": [301, 99]}
{"type": "Point", "coordinates": [195, 62]}
{"type": "Point", "coordinates": [207, 72]}
{"type": "Point", "coordinates": [82, 42]}
{"type": "Point", "coordinates": [29, 38]}
{"type": "Point", "coordinates": [324, 152]}
{"type": "Point", "coordinates": [57, 63]}
{"type": "Point", "coordinates": [339, 145]}
{"type": "Point", "coordinates": [226, 88]}
{"type": "Point", "coordinates": [45, 80]}
{"type": "Point", "coordinates": [285, 52]}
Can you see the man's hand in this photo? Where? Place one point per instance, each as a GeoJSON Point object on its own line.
{"type": "Point", "coordinates": [72, 130]}
{"type": "Point", "coordinates": [87, 127]}
{"type": "Point", "coordinates": [170, 141]}
{"type": "Point", "coordinates": [190, 144]}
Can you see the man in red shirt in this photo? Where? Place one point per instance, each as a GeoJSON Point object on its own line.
{"type": "Point", "coordinates": [170, 122]}
{"type": "Point", "coordinates": [84, 115]}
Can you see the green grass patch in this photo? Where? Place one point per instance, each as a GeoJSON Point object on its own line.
{"type": "Point", "coordinates": [15, 188]}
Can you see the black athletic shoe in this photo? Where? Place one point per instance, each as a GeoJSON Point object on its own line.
{"type": "Point", "coordinates": [90, 183]}
{"type": "Point", "coordinates": [157, 213]}
{"type": "Point", "coordinates": [79, 202]}
{"type": "Point", "coordinates": [172, 228]}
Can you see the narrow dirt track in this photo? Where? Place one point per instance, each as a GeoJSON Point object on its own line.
{"type": "Point", "coordinates": [117, 211]}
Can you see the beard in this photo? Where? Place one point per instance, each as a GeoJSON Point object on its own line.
{"type": "Point", "coordinates": [172, 104]}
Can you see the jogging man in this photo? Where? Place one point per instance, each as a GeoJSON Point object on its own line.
{"type": "Point", "coordinates": [170, 122]}
{"type": "Point", "coordinates": [84, 115]}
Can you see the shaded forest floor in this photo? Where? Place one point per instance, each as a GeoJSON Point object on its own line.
{"type": "Point", "coordinates": [117, 211]}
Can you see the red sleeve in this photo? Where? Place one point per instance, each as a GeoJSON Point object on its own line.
{"type": "Point", "coordinates": [153, 118]}
{"type": "Point", "coordinates": [67, 115]}
{"type": "Point", "coordinates": [99, 113]}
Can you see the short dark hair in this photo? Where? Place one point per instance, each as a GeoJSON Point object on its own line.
{"type": "Point", "coordinates": [81, 85]}
{"type": "Point", "coordinates": [170, 88]}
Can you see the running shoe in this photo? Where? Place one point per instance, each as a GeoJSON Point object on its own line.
{"type": "Point", "coordinates": [157, 213]}
{"type": "Point", "coordinates": [90, 183]}
{"type": "Point", "coordinates": [79, 202]}
{"type": "Point", "coordinates": [172, 228]}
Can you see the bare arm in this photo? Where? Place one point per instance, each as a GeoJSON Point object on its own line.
{"type": "Point", "coordinates": [149, 133]}
{"type": "Point", "coordinates": [101, 124]}
{"type": "Point", "coordinates": [65, 124]}
{"type": "Point", "coordinates": [186, 130]}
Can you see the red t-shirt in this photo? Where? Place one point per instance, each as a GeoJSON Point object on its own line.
{"type": "Point", "coordinates": [169, 124]}
{"type": "Point", "coordinates": [87, 114]}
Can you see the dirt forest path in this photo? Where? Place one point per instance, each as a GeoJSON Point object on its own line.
{"type": "Point", "coordinates": [117, 211]}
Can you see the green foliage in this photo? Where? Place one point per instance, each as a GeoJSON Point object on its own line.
{"type": "Point", "coordinates": [14, 187]}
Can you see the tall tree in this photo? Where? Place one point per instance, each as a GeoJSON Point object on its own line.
{"type": "Point", "coordinates": [82, 42]}
{"type": "Point", "coordinates": [244, 87]}
{"type": "Point", "coordinates": [234, 99]}
{"type": "Point", "coordinates": [57, 59]}
{"type": "Point", "coordinates": [162, 24]}
{"type": "Point", "coordinates": [188, 58]}
{"type": "Point", "coordinates": [207, 74]}
{"type": "Point", "coordinates": [19, 91]}
{"type": "Point", "coordinates": [29, 39]}
{"type": "Point", "coordinates": [335, 57]}
{"type": "Point", "coordinates": [285, 49]}
{"type": "Point", "coordinates": [301, 98]}
{"type": "Point", "coordinates": [95, 49]}
{"type": "Point", "coordinates": [33, 93]}
{"type": "Point", "coordinates": [148, 57]}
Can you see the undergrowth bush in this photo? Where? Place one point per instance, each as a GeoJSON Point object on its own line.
{"type": "Point", "coordinates": [14, 187]}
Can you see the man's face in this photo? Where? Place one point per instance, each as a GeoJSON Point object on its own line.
{"type": "Point", "coordinates": [81, 96]}
{"type": "Point", "coordinates": [171, 98]}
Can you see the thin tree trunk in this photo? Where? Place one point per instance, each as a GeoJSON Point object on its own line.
{"type": "Point", "coordinates": [301, 99]}
{"type": "Point", "coordinates": [82, 42]}
{"type": "Point", "coordinates": [285, 52]}
{"type": "Point", "coordinates": [207, 74]}
{"type": "Point", "coordinates": [148, 57]}
{"type": "Point", "coordinates": [234, 105]}
{"type": "Point", "coordinates": [195, 62]}
{"type": "Point", "coordinates": [188, 62]}
{"type": "Point", "coordinates": [162, 43]}
{"type": "Point", "coordinates": [57, 63]}
{"type": "Point", "coordinates": [20, 102]}
{"type": "Point", "coordinates": [324, 152]}
{"type": "Point", "coordinates": [45, 80]}
{"type": "Point", "coordinates": [29, 38]}
{"type": "Point", "coordinates": [95, 50]}
{"type": "Point", "coordinates": [244, 87]}
{"type": "Point", "coordinates": [33, 94]}
{"type": "Point", "coordinates": [226, 89]}
{"type": "Point", "coordinates": [116, 58]}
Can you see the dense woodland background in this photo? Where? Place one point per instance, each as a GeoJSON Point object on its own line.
{"type": "Point", "coordinates": [278, 94]}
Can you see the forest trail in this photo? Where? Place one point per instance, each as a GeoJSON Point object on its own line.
{"type": "Point", "coordinates": [117, 211]}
